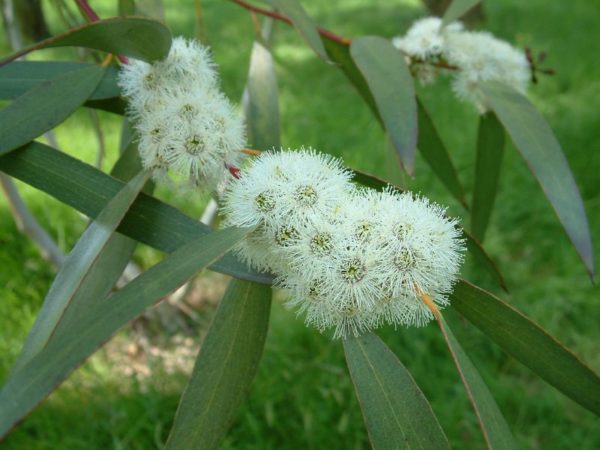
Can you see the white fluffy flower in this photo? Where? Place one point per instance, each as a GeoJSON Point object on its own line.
{"type": "Point", "coordinates": [283, 192]}
{"type": "Point", "coordinates": [186, 126]}
{"type": "Point", "coordinates": [350, 259]}
{"type": "Point", "coordinates": [425, 38]}
{"type": "Point", "coordinates": [481, 57]}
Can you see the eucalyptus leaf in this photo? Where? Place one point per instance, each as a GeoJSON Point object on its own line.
{"type": "Point", "coordinates": [495, 429]}
{"type": "Point", "coordinates": [88, 330]}
{"type": "Point", "coordinates": [225, 368]}
{"type": "Point", "coordinates": [457, 9]}
{"type": "Point", "coordinates": [536, 142]}
{"type": "Point", "coordinates": [490, 149]}
{"type": "Point", "coordinates": [138, 37]}
{"type": "Point", "coordinates": [303, 23]}
{"type": "Point", "coordinates": [396, 412]}
{"type": "Point", "coordinates": [74, 273]}
{"type": "Point", "coordinates": [46, 105]}
{"type": "Point", "coordinates": [392, 87]}
{"type": "Point", "coordinates": [88, 189]}
{"type": "Point", "coordinates": [528, 343]}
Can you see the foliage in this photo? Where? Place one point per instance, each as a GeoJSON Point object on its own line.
{"type": "Point", "coordinates": [33, 166]}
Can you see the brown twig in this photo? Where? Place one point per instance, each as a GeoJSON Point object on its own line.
{"type": "Point", "coordinates": [275, 15]}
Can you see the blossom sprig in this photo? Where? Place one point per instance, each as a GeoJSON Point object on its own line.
{"type": "Point", "coordinates": [474, 56]}
{"type": "Point", "coordinates": [187, 127]}
{"type": "Point", "coordinates": [349, 258]}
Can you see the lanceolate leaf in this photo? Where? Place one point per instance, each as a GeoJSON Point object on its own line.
{"type": "Point", "coordinates": [20, 76]}
{"type": "Point", "coordinates": [261, 101]}
{"type": "Point", "coordinates": [225, 368]}
{"type": "Point", "coordinates": [534, 138]}
{"type": "Point", "coordinates": [435, 153]}
{"type": "Point", "coordinates": [303, 23]}
{"type": "Point", "coordinates": [396, 412]}
{"type": "Point", "coordinates": [76, 270]}
{"type": "Point", "coordinates": [529, 344]}
{"type": "Point", "coordinates": [391, 84]}
{"type": "Point", "coordinates": [495, 429]}
{"type": "Point", "coordinates": [70, 346]}
{"type": "Point", "coordinates": [457, 9]}
{"type": "Point", "coordinates": [490, 148]}
{"type": "Point", "coordinates": [137, 37]}
{"type": "Point", "coordinates": [87, 189]}
{"type": "Point", "coordinates": [45, 106]}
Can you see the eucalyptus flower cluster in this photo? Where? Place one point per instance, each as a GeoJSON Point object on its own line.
{"type": "Point", "coordinates": [349, 258]}
{"type": "Point", "coordinates": [187, 128]}
{"type": "Point", "coordinates": [477, 56]}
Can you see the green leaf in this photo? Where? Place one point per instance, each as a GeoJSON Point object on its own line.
{"type": "Point", "coordinates": [435, 153]}
{"type": "Point", "coordinates": [225, 368]}
{"type": "Point", "coordinates": [77, 271]}
{"type": "Point", "coordinates": [136, 37]}
{"type": "Point", "coordinates": [18, 77]}
{"type": "Point", "coordinates": [45, 106]}
{"type": "Point", "coordinates": [392, 86]}
{"type": "Point", "coordinates": [484, 260]}
{"type": "Point", "coordinates": [534, 138]}
{"type": "Point", "coordinates": [529, 344]}
{"type": "Point", "coordinates": [303, 23]}
{"type": "Point", "coordinates": [89, 329]}
{"type": "Point", "coordinates": [396, 412]}
{"type": "Point", "coordinates": [88, 189]}
{"type": "Point", "coordinates": [490, 148]}
{"type": "Point", "coordinates": [495, 429]}
{"type": "Point", "coordinates": [261, 104]}
{"type": "Point", "coordinates": [457, 9]}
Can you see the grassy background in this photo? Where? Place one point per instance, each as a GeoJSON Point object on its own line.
{"type": "Point", "coordinates": [126, 395]}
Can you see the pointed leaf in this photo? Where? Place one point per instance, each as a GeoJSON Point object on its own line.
{"type": "Point", "coordinates": [457, 9]}
{"type": "Point", "coordinates": [303, 23]}
{"type": "Point", "coordinates": [88, 189]}
{"type": "Point", "coordinates": [495, 429]}
{"type": "Point", "coordinates": [490, 148]}
{"type": "Point", "coordinates": [435, 153]}
{"type": "Point", "coordinates": [77, 267]}
{"type": "Point", "coordinates": [391, 85]}
{"type": "Point", "coordinates": [72, 345]}
{"type": "Point", "coordinates": [529, 344]}
{"type": "Point", "coordinates": [261, 101]}
{"type": "Point", "coordinates": [137, 37]}
{"type": "Point", "coordinates": [534, 138]}
{"type": "Point", "coordinates": [18, 77]}
{"type": "Point", "coordinates": [225, 368]}
{"type": "Point", "coordinates": [396, 412]}
{"type": "Point", "coordinates": [45, 106]}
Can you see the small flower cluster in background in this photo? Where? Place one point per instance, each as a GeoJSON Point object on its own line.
{"type": "Point", "coordinates": [186, 126]}
{"type": "Point", "coordinates": [476, 55]}
{"type": "Point", "coordinates": [350, 258]}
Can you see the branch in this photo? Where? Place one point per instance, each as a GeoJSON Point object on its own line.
{"type": "Point", "coordinates": [275, 15]}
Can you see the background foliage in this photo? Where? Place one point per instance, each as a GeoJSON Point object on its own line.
{"type": "Point", "coordinates": [302, 389]}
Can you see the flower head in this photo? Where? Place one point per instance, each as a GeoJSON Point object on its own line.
{"type": "Point", "coordinates": [425, 38]}
{"type": "Point", "coordinates": [186, 126]}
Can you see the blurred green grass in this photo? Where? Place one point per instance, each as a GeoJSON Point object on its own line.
{"type": "Point", "coordinates": [302, 397]}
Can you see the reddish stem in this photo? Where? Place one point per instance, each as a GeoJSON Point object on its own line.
{"type": "Point", "coordinates": [234, 171]}
{"type": "Point", "coordinates": [87, 10]}
{"type": "Point", "coordinates": [275, 15]}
